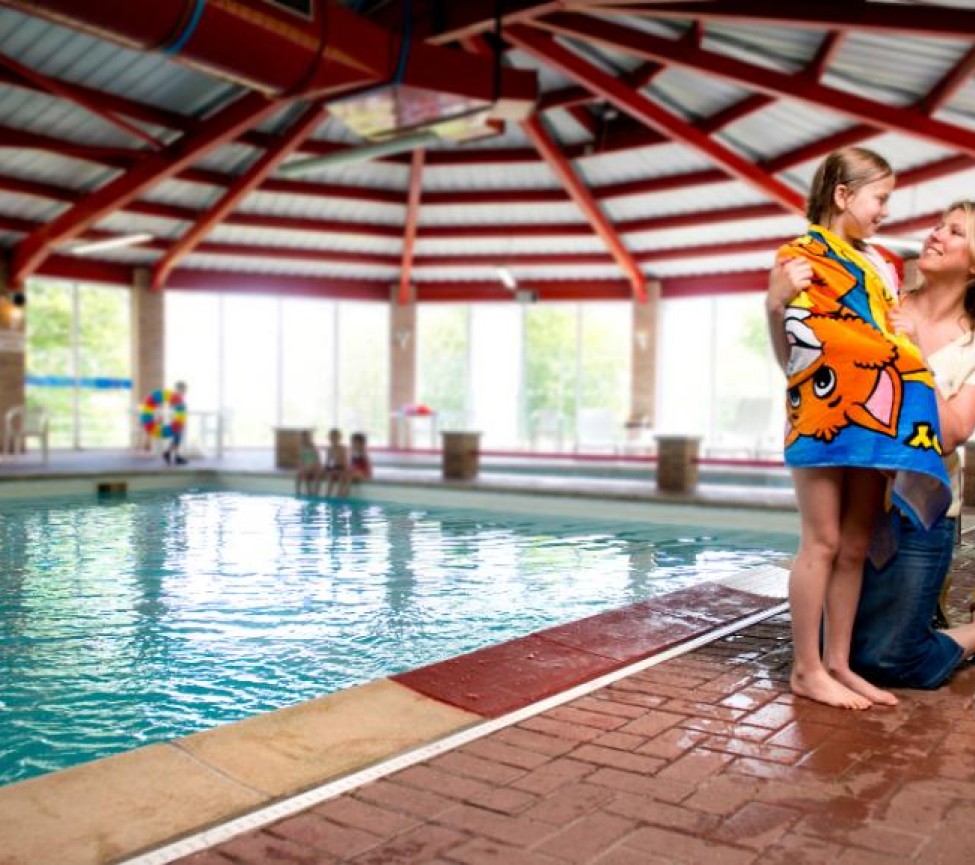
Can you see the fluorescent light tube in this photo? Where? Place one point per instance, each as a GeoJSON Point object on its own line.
{"type": "Point", "coordinates": [507, 278]}
{"type": "Point", "coordinates": [112, 243]}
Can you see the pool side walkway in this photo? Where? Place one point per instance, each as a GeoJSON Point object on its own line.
{"type": "Point", "coordinates": [704, 758]}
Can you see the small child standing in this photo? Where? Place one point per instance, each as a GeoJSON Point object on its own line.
{"type": "Point", "coordinates": [309, 466]}
{"type": "Point", "coordinates": [360, 466]}
{"type": "Point", "coordinates": [856, 391]}
{"type": "Point", "coordinates": [336, 462]}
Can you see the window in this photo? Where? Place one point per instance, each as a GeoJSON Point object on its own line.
{"type": "Point", "coordinates": [79, 363]}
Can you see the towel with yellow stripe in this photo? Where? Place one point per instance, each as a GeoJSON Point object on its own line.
{"type": "Point", "coordinates": [860, 395]}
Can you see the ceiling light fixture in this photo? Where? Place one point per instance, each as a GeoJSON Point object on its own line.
{"type": "Point", "coordinates": [507, 278]}
{"type": "Point", "coordinates": [112, 243]}
{"type": "Point", "coordinates": [355, 155]}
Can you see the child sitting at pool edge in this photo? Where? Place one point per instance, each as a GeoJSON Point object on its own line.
{"type": "Point", "coordinates": [336, 463]}
{"type": "Point", "coordinates": [309, 471]}
{"type": "Point", "coordinates": [359, 467]}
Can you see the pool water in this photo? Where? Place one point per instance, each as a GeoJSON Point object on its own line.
{"type": "Point", "coordinates": [134, 621]}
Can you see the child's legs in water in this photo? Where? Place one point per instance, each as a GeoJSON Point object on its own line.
{"type": "Point", "coordinates": [862, 504]}
{"type": "Point", "coordinates": [819, 494]}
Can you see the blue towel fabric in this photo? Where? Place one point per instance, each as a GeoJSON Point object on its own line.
{"type": "Point", "coordinates": [858, 394]}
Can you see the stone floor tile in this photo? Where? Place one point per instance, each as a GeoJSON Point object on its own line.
{"type": "Point", "coordinates": [553, 776]}
{"type": "Point", "coordinates": [585, 839]}
{"type": "Point", "coordinates": [568, 804]}
{"type": "Point", "coordinates": [350, 811]}
{"type": "Point", "coordinates": [416, 847]}
{"type": "Point", "coordinates": [681, 849]}
{"type": "Point", "coordinates": [756, 824]}
{"type": "Point", "coordinates": [312, 832]}
{"type": "Point", "coordinates": [484, 851]}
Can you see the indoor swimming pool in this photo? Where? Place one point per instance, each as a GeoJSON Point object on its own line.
{"type": "Point", "coordinates": [135, 620]}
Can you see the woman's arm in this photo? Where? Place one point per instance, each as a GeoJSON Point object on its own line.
{"type": "Point", "coordinates": [957, 416]}
{"type": "Point", "coordinates": [786, 279]}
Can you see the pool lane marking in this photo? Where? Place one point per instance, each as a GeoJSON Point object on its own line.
{"type": "Point", "coordinates": [289, 807]}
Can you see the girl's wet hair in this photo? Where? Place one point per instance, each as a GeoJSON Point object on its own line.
{"type": "Point", "coordinates": [852, 167]}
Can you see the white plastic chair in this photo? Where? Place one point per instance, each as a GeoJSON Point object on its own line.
{"type": "Point", "coordinates": [546, 424]}
{"type": "Point", "coordinates": [596, 429]}
{"type": "Point", "coordinates": [21, 423]}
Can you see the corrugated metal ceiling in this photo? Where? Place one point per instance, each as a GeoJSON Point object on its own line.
{"type": "Point", "coordinates": [56, 145]}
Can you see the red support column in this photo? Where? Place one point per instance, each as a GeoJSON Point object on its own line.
{"type": "Point", "coordinates": [409, 229]}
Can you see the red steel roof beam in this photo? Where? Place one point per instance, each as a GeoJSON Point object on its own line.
{"type": "Point", "coordinates": [272, 50]}
{"type": "Point", "coordinates": [584, 199]}
{"type": "Point", "coordinates": [951, 82]}
{"type": "Point", "coordinates": [410, 226]}
{"type": "Point", "coordinates": [57, 89]}
{"type": "Point", "coordinates": [827, 50]}
{"type": "Point", "coordinates": [914, 20]}
{"type": "Point", "coordinates": [764, 80]}
{"type": "Point", "coordinates": [614, 91]}
{"type": "Point", "coordinates": [241, 187]}
{"type": "Point", "coordinates": [222, 127]}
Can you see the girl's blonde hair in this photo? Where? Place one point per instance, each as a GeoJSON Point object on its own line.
{"type": "Point", "coordinates": [852, 167]}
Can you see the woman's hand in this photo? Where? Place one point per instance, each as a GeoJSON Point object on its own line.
{"type": "Point", "coordinates": [787, 278]}
{"type": "Point", "coordinates": [901, 323]}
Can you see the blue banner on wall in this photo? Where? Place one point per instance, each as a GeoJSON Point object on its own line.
{"type": "Point", "coordinates": [71, 381]}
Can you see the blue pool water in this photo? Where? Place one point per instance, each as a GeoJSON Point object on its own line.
{"type": "Point", "coordinates": [134, 621]}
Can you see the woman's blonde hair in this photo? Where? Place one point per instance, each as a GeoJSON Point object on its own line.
{"type": "Point", "coordinates": [967, 207]}
{"type": "Point", "coordinates": [852, 167]}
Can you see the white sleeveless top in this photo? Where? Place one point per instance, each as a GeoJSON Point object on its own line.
{"type": "Point", "coordinates": [953, 366]}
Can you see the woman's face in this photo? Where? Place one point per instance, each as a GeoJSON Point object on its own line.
{"type": "Point", "coordinates": [946, 250]}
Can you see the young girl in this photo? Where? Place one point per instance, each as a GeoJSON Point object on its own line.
{"type": "Point", "coordinates": [309, 466]}
{"type": "Point", "coordinates": [360, 466]}
{"type": "Point", "coordinates": [336, 461]}
{"type": "Point", "coordinates": [860, 406]}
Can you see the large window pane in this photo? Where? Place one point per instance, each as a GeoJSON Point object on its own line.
{"type": "Point", "coordinates": [604, 380]}
{"type": "Point", "coordinates": [104, 366]}
{"type": "Point", "coordinates": [50, 356]}
{"type": "Point", "coordinates": [251, 368]}
{"type": "Point", "coordinates": [363, 373]}
{"type": "Point", "coordinates": [685, 362]}
{"type": "Point", "coordinates": [748, 410]}
{"type": "Point", "coordinates": [442, 369]}
{"type": "Point", "coordinates": [552, 365]}
{"type": "Point", "coordinates": [496, 364]}
{"type": "Point", "coordinates": [79, 362]}
{"type": "Point", "coordinates": [308, 355]}
{"type": "Point", "coordinates": [193, 334]}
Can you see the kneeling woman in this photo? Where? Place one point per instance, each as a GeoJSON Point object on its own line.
{"type": "Point", "coordinates": [894, 641]}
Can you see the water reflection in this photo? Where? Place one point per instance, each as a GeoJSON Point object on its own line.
{"type": "Point", "coordinates": [132, 621]}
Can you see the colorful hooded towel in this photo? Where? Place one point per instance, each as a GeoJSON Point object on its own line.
{"type": "Point", "coordinates": [858, 394]}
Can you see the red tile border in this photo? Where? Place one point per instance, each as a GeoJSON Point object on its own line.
{"type": "Point", "coordinates": [500, 679]}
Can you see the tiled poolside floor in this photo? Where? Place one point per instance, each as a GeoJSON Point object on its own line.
{"type": "Point", "coordinates": [705, 758]}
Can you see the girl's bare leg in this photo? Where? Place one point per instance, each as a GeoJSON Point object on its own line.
{"type": "Point", "coordinates": [819, 495]}
{"type": "Point", "coordinates": [863, 498]}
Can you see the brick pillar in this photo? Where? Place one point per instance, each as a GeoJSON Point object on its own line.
{"type": "Point", "coordinates": [402, 357]}
{"type": "Point", "coordinates": [643, 378]}
{"type": "Point", "coordinates": [13, 366]}
{"type": "Point", "coordinates": [148, 339]}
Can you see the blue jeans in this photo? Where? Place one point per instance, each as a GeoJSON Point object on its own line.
{"type": "Point", "coordinates": [894, 643]}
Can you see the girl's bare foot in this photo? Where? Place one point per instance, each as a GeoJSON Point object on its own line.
{"type": "Point", "coordinates": [864, 688]}
{"type": "Point", "coordinates": [818, 685]}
